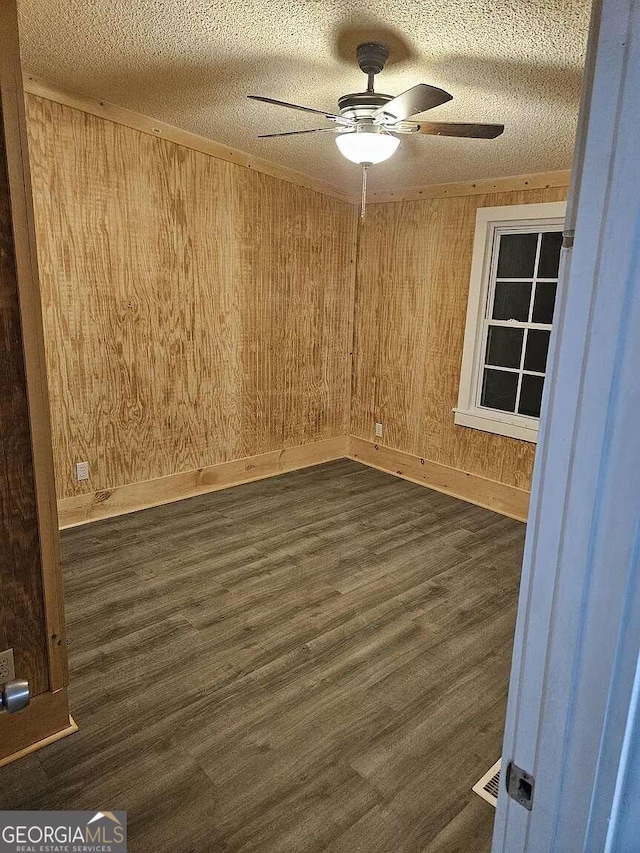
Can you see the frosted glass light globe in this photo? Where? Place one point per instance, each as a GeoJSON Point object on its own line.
{"type": "Point", "coordinates": [366, 145]}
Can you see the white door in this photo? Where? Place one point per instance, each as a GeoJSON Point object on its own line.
{"type": "Point", "coordinates": [570, 718]}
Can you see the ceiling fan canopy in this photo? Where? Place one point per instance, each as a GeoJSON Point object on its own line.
{"type": "Point", "coordinates": [369, 124]}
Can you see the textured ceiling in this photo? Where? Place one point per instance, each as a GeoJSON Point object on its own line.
{"type": "Point", "coordinates": [192, 63]}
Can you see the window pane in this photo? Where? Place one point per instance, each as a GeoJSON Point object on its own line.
{"type": "Point", "coordinates": [535, 357]}
{"type": "Point", "coordinates": [499, 390]}
{"type": "Point", "coordinates": [550, 254]}
{"type": "Point", "coordinates": [517, 255]}
{"type": "Point", "coordinates": [504, 348]}
{"type": "Point", "coordinates": [530, 395]}
{"type": "Point", "coordinates": [544, 302]}
{"type": "Point", "coordinates": [511, 300]}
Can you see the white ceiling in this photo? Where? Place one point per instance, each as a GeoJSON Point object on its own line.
{"type": "Point", "coordinates": [192, 63]}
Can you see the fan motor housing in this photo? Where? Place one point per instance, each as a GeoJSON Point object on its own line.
{"type": "Point", "coordinates": [362, 104]}
{"type": "Point", "coordinates": [363, 99]}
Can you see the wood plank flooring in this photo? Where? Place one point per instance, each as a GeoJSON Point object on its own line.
{"type": "Point", "coordinates": [315, 662]}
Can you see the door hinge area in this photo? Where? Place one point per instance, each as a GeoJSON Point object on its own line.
{"type": "Point", "coordinates": [520, 785]}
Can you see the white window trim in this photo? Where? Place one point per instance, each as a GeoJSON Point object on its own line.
{"type": "Point", "coordinates": [488, 220]}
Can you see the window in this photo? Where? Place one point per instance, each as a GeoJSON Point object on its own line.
{"type": "Point", "coordinates": [512, 295]}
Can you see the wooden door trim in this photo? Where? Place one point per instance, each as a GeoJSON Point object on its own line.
{"type": "Point", "coordinates": [17, 153]}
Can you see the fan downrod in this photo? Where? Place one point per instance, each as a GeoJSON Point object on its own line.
{"type": "Point", "coordinates": [372, 57]}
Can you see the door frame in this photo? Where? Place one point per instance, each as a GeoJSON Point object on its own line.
{"type": "Point", "coordinates": [578, 628]}
{"type": "Point", "coordinates": [47, 715]}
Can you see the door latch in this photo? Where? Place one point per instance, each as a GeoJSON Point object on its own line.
{"type": "Point", "coordinates": [520, 785]}
{"type": "Point", "coordinates": [14, 696]}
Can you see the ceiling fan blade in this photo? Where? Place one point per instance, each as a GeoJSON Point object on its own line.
{"type": "Point", "coordinates": [416, 100]}
{"type": "Point", "coordinates": [328, 116]}
{"type": "Point", "coordinates": [469, 130]}
{"type": "Point", "coordinates": [296, 132]}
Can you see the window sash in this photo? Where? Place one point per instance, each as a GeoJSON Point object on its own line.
{"type": "Point", "coordinates": [525, 325]}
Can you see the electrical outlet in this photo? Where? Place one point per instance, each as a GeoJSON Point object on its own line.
{"type": "Point", "coordinates": [378, 430]}
{"type": "Point", "coordinates": [7, 667]}
{"type": "Point", "coordinates": [82, 471]}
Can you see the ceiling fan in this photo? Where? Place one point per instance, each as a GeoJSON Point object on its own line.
{"type": "Point", "coordinates": [369, 122]}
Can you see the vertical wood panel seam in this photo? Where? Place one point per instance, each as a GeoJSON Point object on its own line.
{"type": "Point", "coordinates": [351, 330]}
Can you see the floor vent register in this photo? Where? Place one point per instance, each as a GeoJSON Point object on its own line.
{"type": "Point", "coordinates": [489, 785]}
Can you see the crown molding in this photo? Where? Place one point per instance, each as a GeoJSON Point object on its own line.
{"type": "Point", "coordinates": [162, 130]}
{"type": "Point", "coordinates": [515, 183]}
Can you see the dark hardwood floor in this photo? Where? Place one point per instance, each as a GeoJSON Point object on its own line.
{"type": "Point", "coordinates": [315, 662]}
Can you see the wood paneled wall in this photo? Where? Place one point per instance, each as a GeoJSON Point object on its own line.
{"type": "Point", "coordinates": [410, 309]}
{"type": "Point", "coordinates": [195, 311]}
{"type": "Point", "coordinates": [198, 312]}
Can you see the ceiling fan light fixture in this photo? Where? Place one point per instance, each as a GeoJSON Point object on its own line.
{"type": "Point", "coordinates": [367, 145]}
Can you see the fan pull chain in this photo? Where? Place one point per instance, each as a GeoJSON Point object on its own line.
{"type": "Point", "coordinates": [364, 191]}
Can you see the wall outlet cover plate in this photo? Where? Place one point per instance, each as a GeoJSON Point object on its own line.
{"type": "Point", "coordinates": [7, 666]}
{"type": "Point", "coordinates": [82, 471]}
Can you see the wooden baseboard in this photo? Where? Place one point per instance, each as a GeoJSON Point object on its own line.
{"type": "Point", "coordinates": [135, 496]}
{"type": "Point", "coordinates": [507, 500]}
{"type": "Point", "coordinates": [44, 720]}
